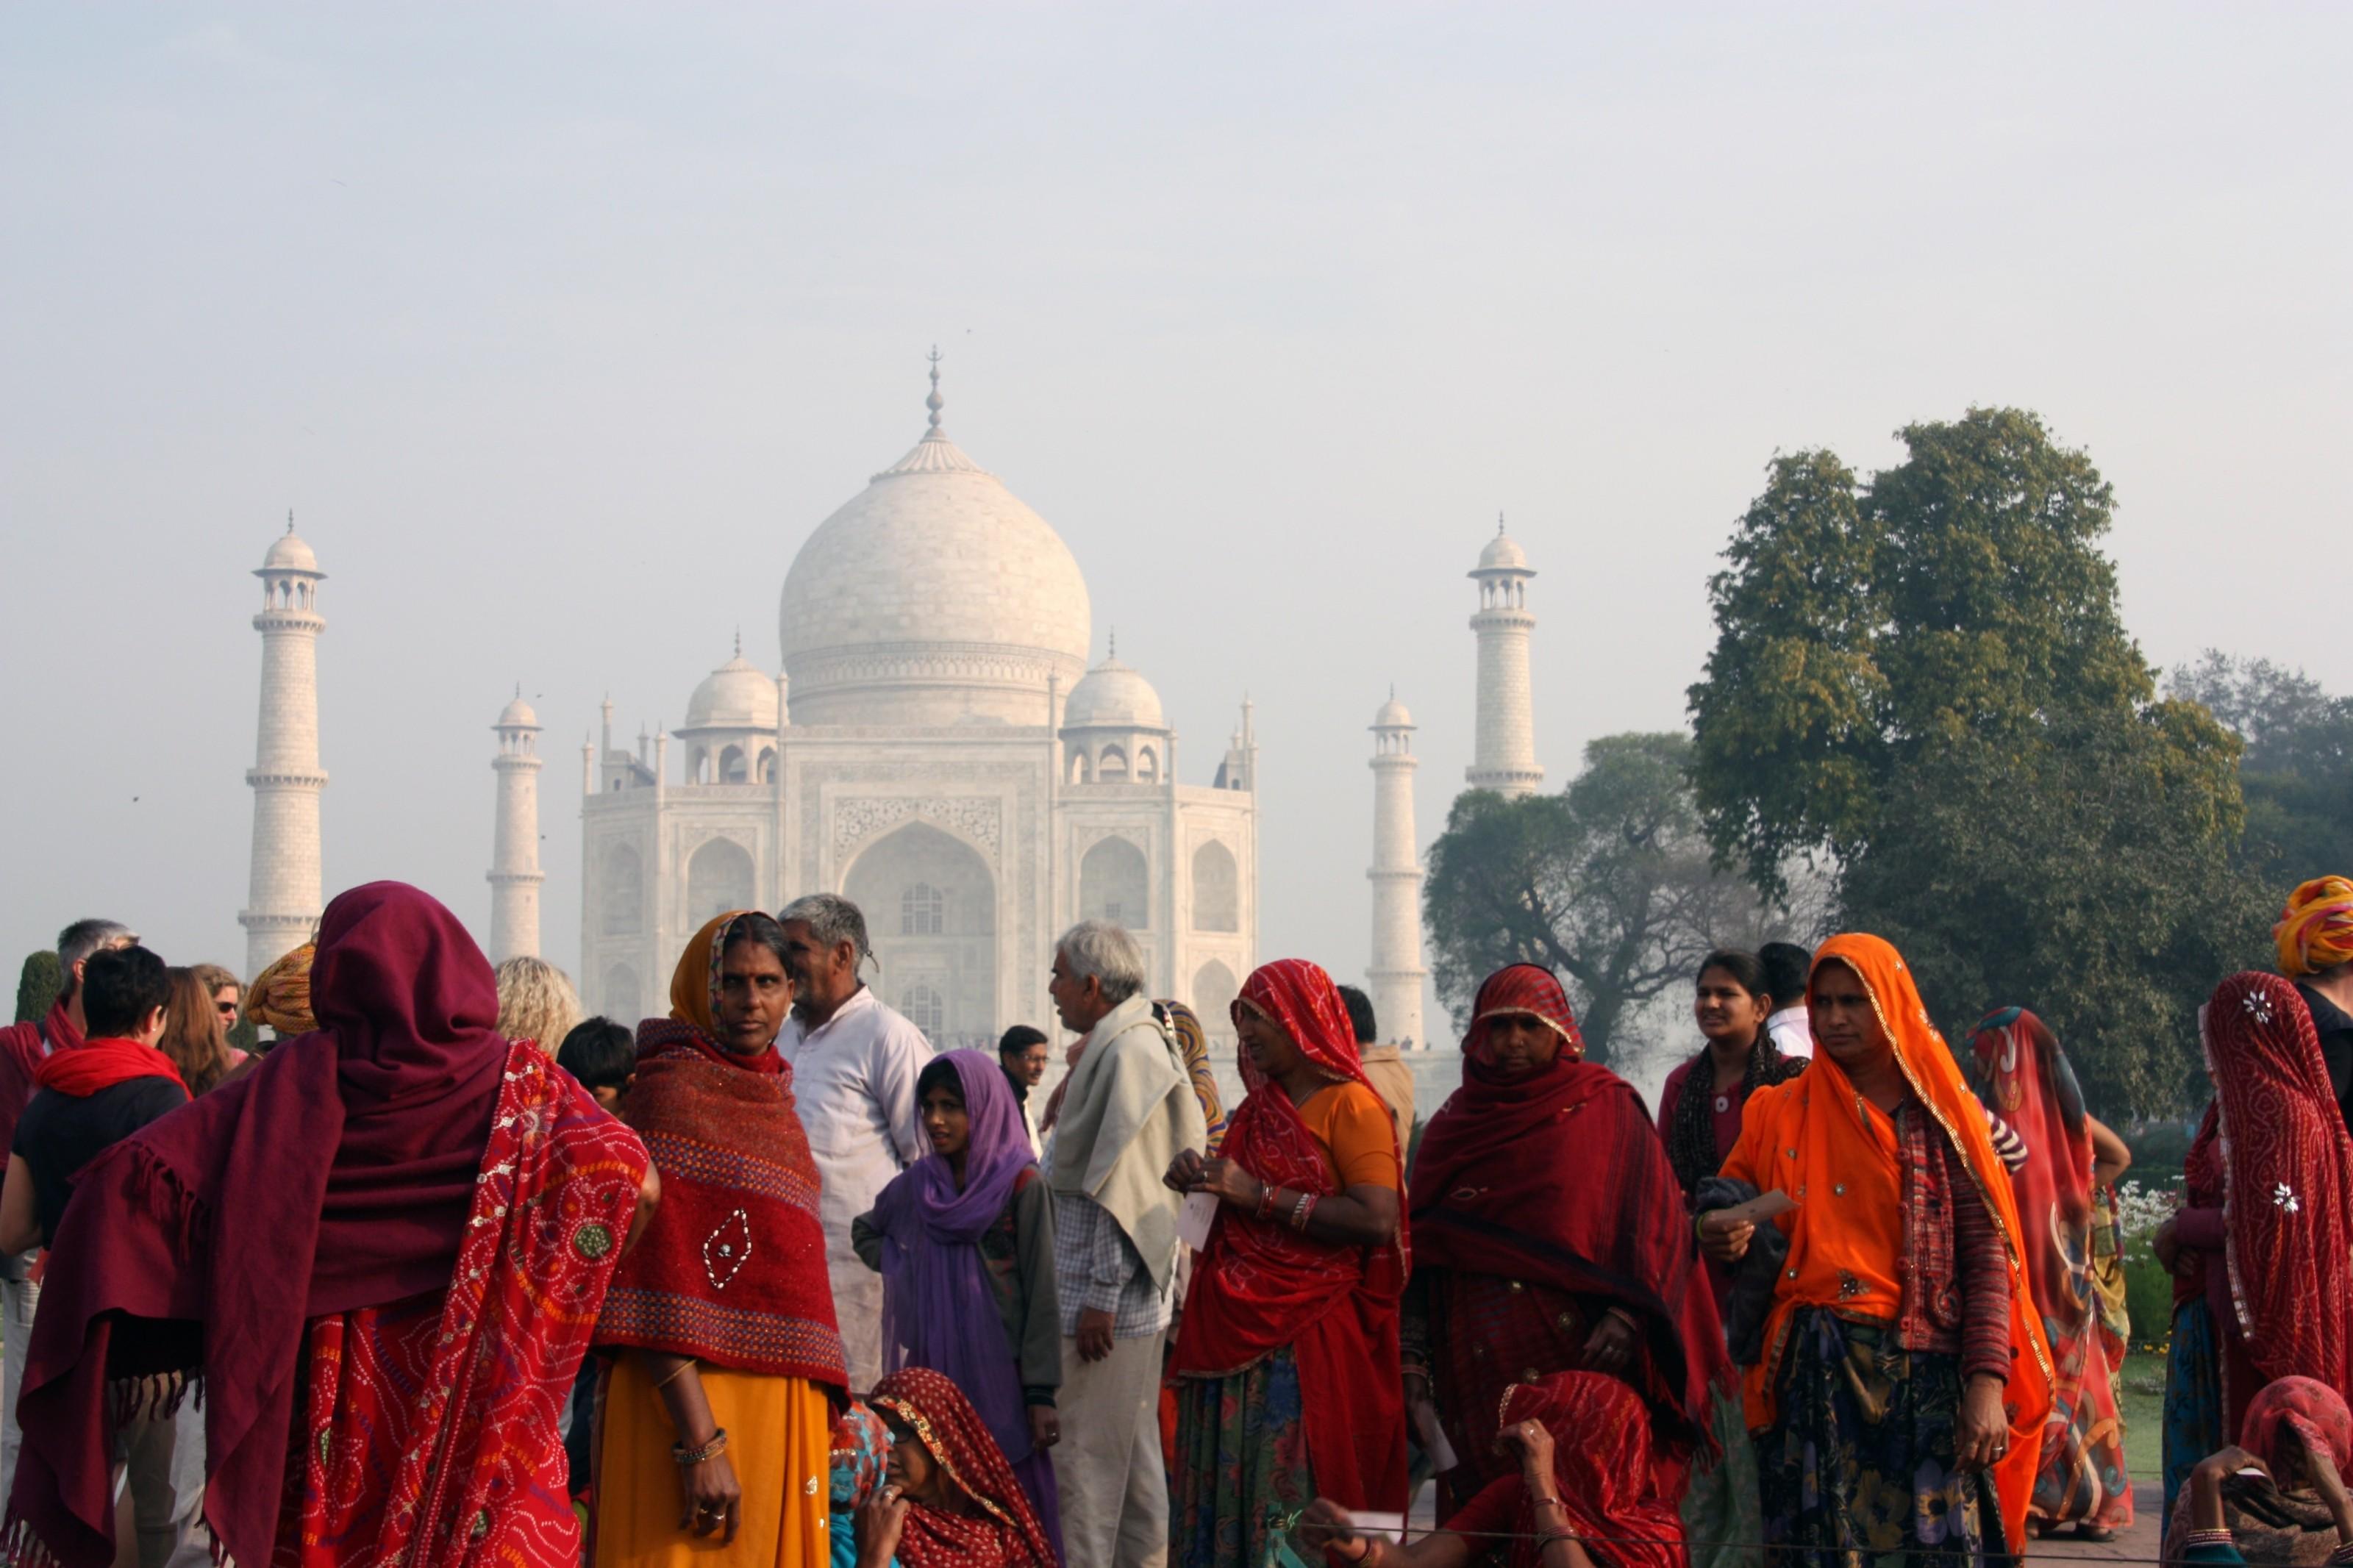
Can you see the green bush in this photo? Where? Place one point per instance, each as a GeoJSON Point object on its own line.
{"type": "Point", "coordinates": [2148, 1297]}
{"type": "Point", "coordinates": [37, 984]}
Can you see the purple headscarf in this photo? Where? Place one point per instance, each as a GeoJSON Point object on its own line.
{"type": "Point", "coordinates": [937, 1308]}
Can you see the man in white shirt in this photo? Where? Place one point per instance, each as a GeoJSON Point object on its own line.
{"type": "Point", "coordinates": [1786, 968]}
{"type": "Point", "coordinates": [854, 1064]}
{"type": "Point", "coordinates": [1022, 1052]}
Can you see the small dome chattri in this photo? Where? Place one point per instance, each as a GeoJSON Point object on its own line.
{"type": "Point", "coordinates": [1504, 554]}
{"type": "Point", "coordinates": [1113, 696]}
{"type": "Point", "coordinates": [735, 696]}
{"type": "Point", "coordinates": [289, 554]}
{"type": "Point", "coordinates": [1393, 716]}
{"type": "Point", "coordinates": [518, 715]}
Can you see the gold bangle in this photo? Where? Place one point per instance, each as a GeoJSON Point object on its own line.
{"type": "Point", "coordinates": [674, 1374]}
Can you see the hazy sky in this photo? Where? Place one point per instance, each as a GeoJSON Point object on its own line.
{"type": "Point", "coordinates": [560, 327]}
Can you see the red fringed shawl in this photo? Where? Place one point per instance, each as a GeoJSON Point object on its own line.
{"type": "Point", "coordinates": [1261, 1285]}
{"type": "Point", "coordinates": [2287, 1187]}
{"type": "Point", "coordinates": [732, 1268]}
{"type": "Point", "coordinates": [1005, 1533]}
{"type": "Point", "coordinates": [1558, 1177]}
{"type": "Point", "coordinates": [1602, 1471]}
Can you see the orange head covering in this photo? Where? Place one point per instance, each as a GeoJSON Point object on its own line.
{"type": "Point", "coordinates": [1846, 1234]}
{"type": "Point", "coordinates": [694, 984]}
{"type": "Point", "coordinates": [280, 996]}
{"type": "Point", "coordinates": [2315, 931]}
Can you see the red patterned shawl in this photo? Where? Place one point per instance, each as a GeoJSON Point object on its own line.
{"type": "Point", "coordinates": [2287, 1187]}
{"type": "Point", "coordinates": [2023, 1076]}
{"type": "Point", "coordinates": [1261, 1285]}
{"type": "Point", "coordinates": [1602, 1471]}
{"type": "Point", "coordinates": [732, 1268]}
{"type": "Point", "coordinates": [443, 1444]}
{"type": "Point", "coordinates": [2310, 1409]}
{"type": "Point", "coordinates": [1558, 1176]}
{"type": "Point", "coordinates": [1005, 1533]}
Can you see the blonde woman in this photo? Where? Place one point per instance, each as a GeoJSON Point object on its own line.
{"type": "Point", "coordinates": [536, 1002]}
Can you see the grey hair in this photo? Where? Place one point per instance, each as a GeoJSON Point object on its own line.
{"type": "Point", "coordinates": [1105, 953]}
{"type": "Point", "coordinates": [82, 937]}
{"type": "Point", "coordinates": [832, 920]}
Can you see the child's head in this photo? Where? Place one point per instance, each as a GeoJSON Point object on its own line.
{"type": "Point", "coordinates": [939, 1102]}
{"type": "Point", "coordinates": [602, 1055]}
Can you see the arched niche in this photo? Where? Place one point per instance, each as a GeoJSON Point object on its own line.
{"type": "Point", "coordinates": [622, 999]}
{"type": "Point", "coordinates": [1111, 767]}
{"type": "Point", "coordinates": [1116, 885]}
{"type": "Point", "coordinates": [718, 879]}
{"type": "Point", "coordinates": [733, 767]}
{"type": "Point", "coordinates": [1217, 888]}
{"type": "Point", "coordinates": [1214, 990]}
{"type": "Point", "coordinates": [916, 867]}
{"type": "Point", "coordinates": [621, 889]}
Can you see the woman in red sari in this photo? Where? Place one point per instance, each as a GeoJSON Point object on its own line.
{"type": "Point", "coordinates": [381, 1251]}
{"type": "Point", "coordinates": [1583, 1469]}
{"type": "Point", "coordinates": [2266, 1244]}
{"type": "Point", "coordinates": [1287, 1357]}
{"type": "Point", "coordinates": [949, 1499]}
{"type": "Point", "coordinates": [1551, 1237]}
{"type": "Point", "coordinates": [2023, 1077]}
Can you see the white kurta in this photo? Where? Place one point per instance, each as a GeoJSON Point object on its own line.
{"type": "Point", "coordinates": [1792, 1032]}
{"type": "Point", "coordinates": [854, 1081]}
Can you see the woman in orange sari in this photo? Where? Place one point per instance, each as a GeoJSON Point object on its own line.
{"type": "Point", "coordinates": [1898, 1398]}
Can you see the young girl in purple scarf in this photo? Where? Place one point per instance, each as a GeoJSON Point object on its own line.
{"type": "Point", "coordinates": [965, 1241]}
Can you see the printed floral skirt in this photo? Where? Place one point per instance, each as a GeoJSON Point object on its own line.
{"type": "Point", "coordinates": [2193, 1394]}
{"type": "Point", "coordinates": [1859, 1472]}
{"type": "Point", "coordinates": [1240, 1468]}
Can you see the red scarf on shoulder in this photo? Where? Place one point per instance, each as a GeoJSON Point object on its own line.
{"type": "Point", "coordinates": [1261, 1285]}
{"type": "Point", "coordinates": [101, 1064]}
{"type": "Point", "coordinates": [731, 1269]}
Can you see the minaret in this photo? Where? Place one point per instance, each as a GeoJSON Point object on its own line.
{"type": "Point", "coordinates": [1396, 976]}
{"type": "Point", "coordinates": [284, 899]}
{"type": "Point", "coordinates": [1506, 747]}
{"type": "Point", "coordinates": [514, 846]}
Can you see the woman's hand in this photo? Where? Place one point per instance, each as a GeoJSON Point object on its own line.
{"type": "Point", "coordinates": [1045, 1427]}
{"type": "Point", "coordinates": [1610, 1346]}
{"type": "Point", "coordinates": [1184, 1171]}
{"type": "Point", "coordinates": [1328, 1526]}
{"type": "Point", "coordinates": [714, 1502]}
{"type": "Point", "coordinates": [1533, 1440]}
{"type": "Point", "coordinates": [1726, 1240]}
{"type": "Point", "coordinates": [881, 1519]}
{"type": "Point", "coordinates": [1981, 1431]}
{"type": "Point", "coordinates": [2166, 1244]}
{"type": "Point", "coordinates": [1229, 1182]}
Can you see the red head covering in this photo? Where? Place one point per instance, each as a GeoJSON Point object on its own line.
{"type": "Point", "coordinates": [2287, 1187]}
{"type": "Point", "coordinates": [2315, 1412]}
{"type": "Point", "coordinates": [1005, 1533]}
{"type": "Point", "coordinates": [1261, 1285]}
{"type": "Point", "coordinates": [1602, 1469]}
{"type": "Point", "coordinates": [337, 1174]}
{"type": "Point", "coordinates": [731, 1269]}
{"type": "Point", "coordinates": [1558, 1177]}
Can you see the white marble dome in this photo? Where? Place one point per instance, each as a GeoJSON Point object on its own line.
{"type": "Point", "coordinates": [518, 715]}
{"type": "Point", "coordinates": [1393, 716]}
{"type": "Point", "coordinates": [1113, 696]}
{"type": "Point", "coordinates": [735, 696]}
{"type": "Point", "coordinates": [289, 554]}
{"type": "Point", "coordinates": [1504, 555]}
{"type": "Point", "coordinates": [933, 596]}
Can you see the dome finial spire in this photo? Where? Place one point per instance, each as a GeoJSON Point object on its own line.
{"type": "Point", "coordinates": [739, 640]}
{"type": "Point", "coordinates": [1499, 525]}
{"type": "Point", "coordinates": [1113, 651]}
{"type": "Point", "coordinates": [290, 519]}
{"type": "Point", "coordinates": [933, 401]}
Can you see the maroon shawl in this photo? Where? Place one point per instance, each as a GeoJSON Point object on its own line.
{"type": "Point", "coordinates": [731, 1267]}
{"type": "Point", "coordinates": [1558, 1177]}
{"type": "Point", "coordinates": [337, 1174]}
{"type": "Point", "coordinates": [22, 1048]}
{"type": "Point", "coordinates": [1006, 1532]}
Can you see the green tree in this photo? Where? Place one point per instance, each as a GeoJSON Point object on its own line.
{"type": "Point", "coordinates": [1608, 883]}
{"type": "Point", "coordinates": [2296, 770]}
{"type": "Point", "coordinates": [38, 985]}
{"type": "Point", "coordinates": [1922, 683]}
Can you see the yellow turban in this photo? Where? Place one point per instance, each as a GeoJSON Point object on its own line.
{"type": "Point", "coordinates": [2316, 930]}
{"type": "Point", "coordinates": [281, 995]}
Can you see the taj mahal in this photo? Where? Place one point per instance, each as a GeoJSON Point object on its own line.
{"type": "Point", "coordinates": [937, 748]}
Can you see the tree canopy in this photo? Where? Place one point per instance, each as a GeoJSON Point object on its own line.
{"type": "Point", "coordinates": [1922, 681]}
{"type": "Point", "coordinates": [37, 984]}
{"type": "Point", "coordinates": [1610, 884]}
{"type": "Point", "coordinates": [2296, 770]}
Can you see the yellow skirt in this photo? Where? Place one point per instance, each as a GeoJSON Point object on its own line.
{"type": "Point", "coordinates": [780, 1440]}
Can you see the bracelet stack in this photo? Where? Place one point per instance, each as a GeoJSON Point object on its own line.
{"type": "Point", "coordinates": [1300, 1210]}
{"type": "Point", "coordinates": [1267, 1192]}
{"type": "Point", "coordinates": [688, 1457]}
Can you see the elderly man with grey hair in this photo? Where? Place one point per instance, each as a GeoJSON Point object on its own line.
{"type": "Point", "coordinates": [854, 1066]}
{"type": "Point", "coordinates": [22, 1048]}
{"type": "Point", "coordinates": [1117, 1121]}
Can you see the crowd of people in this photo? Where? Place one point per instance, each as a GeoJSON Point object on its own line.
{"type": "Point", "coordinates": [448, 1274]}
